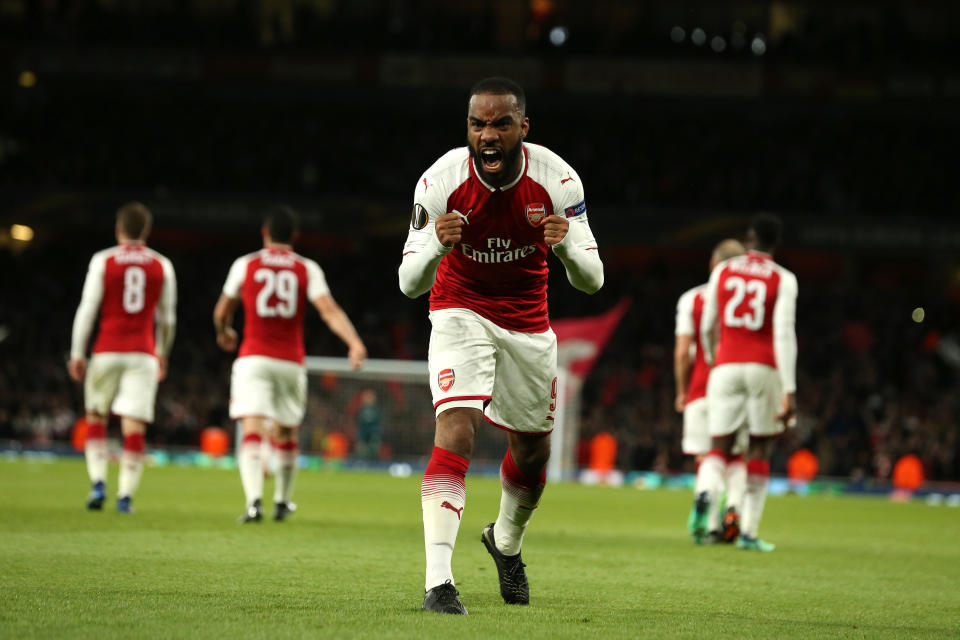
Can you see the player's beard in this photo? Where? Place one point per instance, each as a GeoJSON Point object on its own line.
{"type": "Point", "coordinates": [511, 165]}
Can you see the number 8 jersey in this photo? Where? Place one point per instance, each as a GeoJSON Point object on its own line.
{"type": "Point", "coordinates": [130, 285]}
{"type": "Point", "coordinates": [754, 301]}
{"type": "Point", "coordinates": [275, 284]}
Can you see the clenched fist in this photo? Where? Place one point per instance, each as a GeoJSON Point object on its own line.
{"type": "Point", "coordinates": [554, 229]}
{"type": "Point", "coordinates": [449, 228]}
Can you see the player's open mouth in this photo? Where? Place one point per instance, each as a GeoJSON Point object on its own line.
{"type": "Point", "coordinates": [491, 159]}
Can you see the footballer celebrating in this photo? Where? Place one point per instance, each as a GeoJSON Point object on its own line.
{"type": "Point", "coordinates": [134, 290]}
{"type": "Point", "coordinates": [268, 383]}
{"type": "Point", "coordinates": [484, 218]}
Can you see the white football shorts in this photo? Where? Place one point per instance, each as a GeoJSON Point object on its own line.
{"type": "Point", "coordinates": [122, 383]}
{"type": "Point", "coordinates": [696, 435]}
{"type": "Point", "coordinates": [509, 375]}
{"type": "Point", "coordinates": [270, 388]}
{"type": "Point", "coordinates": [696, 431]}
{"type": "Point", "coordinates": [744, 392]}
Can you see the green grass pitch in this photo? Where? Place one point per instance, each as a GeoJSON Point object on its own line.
{"type": "Point", "coordinates": [602, 563]}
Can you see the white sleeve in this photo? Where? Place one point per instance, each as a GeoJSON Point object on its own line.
{"type": "Point", "coordinates": [316, 281]}
{"type": "Point", "coordinates": [709, 316]}
{"type": "Point", "coordinates": [89, 306]}
{"type": "Point", "coordinates": [238, 272]}
{"type": "Point", "coordinates": [684, 322]}
{"type": "Point", "coordinates": [167, 309]}
{"type": "Point", "coordinates": [578, 249]}
{"type": "Point", "coordinates": [785, 332]}
{"type": "Point", "coordinates": [423, 251]}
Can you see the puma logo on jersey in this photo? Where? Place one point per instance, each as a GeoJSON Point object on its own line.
{"type": "Point", "coordinates": [567, 179]}
{"type": "Point", "coordinates": [447, 505]}
{"type": "Point", "coordinates": [464, 216]}
{"type": "Point", "coordinates": [426, 185]}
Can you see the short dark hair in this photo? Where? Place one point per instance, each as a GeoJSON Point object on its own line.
{"type": "Point", "coordinates": [281, 222]}
{"type": "Point", "coordinates": [499, 86]}
{"type": "Point", "coordinates": [134, 219]}
{"type": "Point", "coordinates": [768, 229]}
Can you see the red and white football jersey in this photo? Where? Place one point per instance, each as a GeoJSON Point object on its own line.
{"type": "Point", "coordinates": [499, 269]}
{"type": "Point", "coordinates": [753, 299]}
{"type": "Point", "coordinates": [275, 285]}
{"type": "Point", "coordinates": [130, 285]}
{"type": "Point", "coordinates": [689, 314]}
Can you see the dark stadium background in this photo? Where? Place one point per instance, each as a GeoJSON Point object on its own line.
{"type": "Point", "coordinates": [683, 118]}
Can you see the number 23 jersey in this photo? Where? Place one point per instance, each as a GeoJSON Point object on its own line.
{"type": "Point", "coordinates": [754, 302]}
{"type": "Point", "coordinates": [275, 284]}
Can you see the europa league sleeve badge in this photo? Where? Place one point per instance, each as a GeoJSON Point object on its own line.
{"type": "Point", "coordinates": [418, 217]}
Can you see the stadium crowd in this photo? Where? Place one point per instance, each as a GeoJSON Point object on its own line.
{"type": "Point", "coordinates": [875, 385]}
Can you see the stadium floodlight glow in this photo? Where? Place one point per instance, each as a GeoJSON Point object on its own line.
{"type": "Point", "coordinates": [758, 46]}
{"type": "Point", "coordinates": [698, 37]}
{"type": "Point", "coordinates": [559, 36]}
{"type": "Point", "coordinates": [677, 34]}
{"type": "Point", "coordinates": [718, 44]}
{"type": "Point", "coordinates": [918, 315]}
{"type": "Point", "coordinates": [27, 79]}
{"type": "Point", "coordinates": [21, 232]}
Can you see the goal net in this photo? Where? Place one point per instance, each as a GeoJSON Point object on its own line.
{"type": "Point", "coordinates": [384, 413]}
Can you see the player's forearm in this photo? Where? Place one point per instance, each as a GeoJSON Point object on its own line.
{"type": "Point", "coordinates": [223, 314]}
{"type": "Point", "coordinates": [785, 333]}
{"type": "Point", "coordinates": [340, 325]}
{"type": "Point", "coordinates": [82, 328]}
{"type": "Point", "coordinates": [709, 344]}
{"type": "Point", "coordinates": [579, 255]}
{"type": "Point", "coordinates": [166, 331]}
{"type": "Point", "coordinates": [418, 270]}
{"type": "Point", "coordinates": [681, 369]}
{"type": "Point", "coordinates": [785, 352]}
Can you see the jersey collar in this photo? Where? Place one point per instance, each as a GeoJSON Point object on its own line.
{"type": "Point", "coordinates": [523, 171]}
{"type": "Point", "coordinates": [759, 254]}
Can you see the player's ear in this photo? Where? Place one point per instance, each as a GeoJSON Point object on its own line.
{"type": "Point", "coordinates": [524, 127]}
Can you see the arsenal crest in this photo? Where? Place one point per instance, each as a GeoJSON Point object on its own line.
{"type": "Point", "coordinates": [536, 212]}
{"type": "Point", "coordinates": [445, 379]}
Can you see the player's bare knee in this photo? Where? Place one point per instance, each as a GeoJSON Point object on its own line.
{"type": "Point", "coordinates": [457, 429]}
{"type": "Point", "coordinates": [130, 426]}
{"type": "Point", "coordinates": [530, 452]}
{"type": "Point", "coordinates": [760, 447]}
{"type": "Point", "coordinates": [285, 434]}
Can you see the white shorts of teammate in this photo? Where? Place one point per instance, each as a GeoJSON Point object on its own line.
{"type": "Point", "coordinates": [696, 431]}
{"type": "Point", "coordinates": [509, 375]}
{"type": "Point", "coordinates": [744, 392]}
{"type": "Point", "coordinates": [122, 383]}
{"type": "Point", "coordinates": [270, 388]}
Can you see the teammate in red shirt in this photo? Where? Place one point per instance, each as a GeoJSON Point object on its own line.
{"type": "Point", "coordinates": [134, 290]}
{"type": "Point", "coordinates": [690, 373]}
{"type": "Point", "coordinates": [484, 219]}
{"type": "Point", "coordinates": [268, 384]}
{"type": "Point", "coordinates": [753, 301]}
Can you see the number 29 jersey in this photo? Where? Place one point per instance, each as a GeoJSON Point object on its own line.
{"type": "Point", "coordinates": [275, 284]}
{"type": "Point", "coordinates": [753, 300]}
